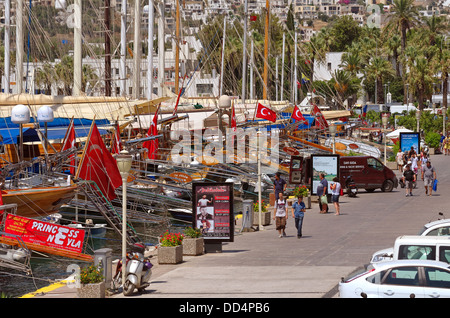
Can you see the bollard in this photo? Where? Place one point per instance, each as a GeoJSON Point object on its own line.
{"type": "Point", "coordinates": [103, 256]}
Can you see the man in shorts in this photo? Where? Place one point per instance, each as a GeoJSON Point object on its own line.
{"type": "Point", "coordinates": [428, 177]}
{"type": "Point", "coordinates": [409, 177]}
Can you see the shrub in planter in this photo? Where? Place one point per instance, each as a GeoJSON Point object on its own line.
{"type": "Point", "coordinates": [170, 250]}
{"type": "Point", "coordinates": [193, 242]}
{"type": "Point", "coordinates": [92, 284]}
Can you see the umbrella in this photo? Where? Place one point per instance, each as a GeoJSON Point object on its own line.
{"type": "Point", "coordinates": [396, 133]}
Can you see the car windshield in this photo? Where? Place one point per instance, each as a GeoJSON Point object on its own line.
{"type": "Point", "coordinates": [422, 230]}
{"type": "Point", "coordinates": [358, 272]}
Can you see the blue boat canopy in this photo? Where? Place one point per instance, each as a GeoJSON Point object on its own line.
{"type": "Point", "coordinates": [11, 135]}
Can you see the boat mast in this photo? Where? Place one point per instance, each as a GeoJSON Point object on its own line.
{"type": "Point", "coordinates": [19, 46]}
{"type": "Point", "coordinates": [107, 49]}
{"type": "Point", "coordinates": [244, 57]}
{"type": "Point", "coordinates": [177, 47]}
{"type": "Point", "coordinates": [223, 55]}
{"type": "Point", "coordinates": [161, 53]}
{"type": "Point", "coordinates": [266, 52]}
{"type": "Point", "coordinates": [77, 63]}
{"type": "Point", "coordinates": [137, 49]}
{"type": "Point", "coordinates": [282, 68]}
{"type": "Point", "coordinates": [151, 21]}
{"type": "Point", "coordinates": [7, 44]}
{"type": "Point", "coordinates": [123, 48]}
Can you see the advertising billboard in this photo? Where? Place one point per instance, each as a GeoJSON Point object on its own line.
{"type": "Point", "coordinates": [212, 206]}
{"type": "Point", "coordinates": [326, 164]}
{"type": "Point", "coordinates": [408, 140]}
{"type": "Point", "coordinates": [45, 234]}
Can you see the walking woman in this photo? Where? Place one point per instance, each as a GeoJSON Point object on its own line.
{"type": "Point", "coordinates": [280, 215]}
{"type": "Point", "coordinates": [335, 194]}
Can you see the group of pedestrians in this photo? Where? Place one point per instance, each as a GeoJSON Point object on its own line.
{"type": "Point", "coordinates": [298, 208]}
{"type": "Point", "coordinates": [411, 163]}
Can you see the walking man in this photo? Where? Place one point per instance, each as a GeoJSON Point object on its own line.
{"type": "Point", "coordinates": [409, 177]}
{"type": "Point", "coordinates": [298, 209]}
{"type": "Point", "coordinates": [428, 177]}
{"type": "Point", "coordinates": [279, 185]}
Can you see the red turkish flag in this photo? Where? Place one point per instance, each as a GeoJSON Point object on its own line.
{"type": "Point", "coordinates": [264, 112]}
{"type": "Point", "coordinates": [321, 122]}
{"type": "Point", "coordinates": [152, 145]}
{"type": "Point", "coordinates": [297, 114]}
{"type": "Point", "coordinates": [69, 142]}
{"type": "Point", "coordinates": [98, 165]}
{"type": "Point", "coordinates": [233, 119]}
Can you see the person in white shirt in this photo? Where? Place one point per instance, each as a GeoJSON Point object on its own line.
{"type": "Point", "coordinates": [203, 203]}
{"type": "Point", "coordinates": [280, 215]}
{"type": "Point", "coordinates": [335, 193]}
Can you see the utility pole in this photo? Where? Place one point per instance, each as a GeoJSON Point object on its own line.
{"type": "Point", "coordinates": [107, 49]}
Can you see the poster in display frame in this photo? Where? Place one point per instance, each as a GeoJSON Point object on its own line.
{"type": "Point", "coordinates": [212, 209]}
{"type": "Point", "coordinates": [328, 164]}
{"type": "Point", "coordinates": [408, 140]}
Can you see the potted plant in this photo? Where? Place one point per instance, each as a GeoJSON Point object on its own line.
{"type": "Point", "coordinates": [170, 249]}
{"type": "Point", "coordinates": [304, 192]}
{"type": "Point", "coordinates": [265, 215]}
{"type": "Point", "coordinates": [92, 283]}
{"type": "Point", "coordinates": [193, 241]}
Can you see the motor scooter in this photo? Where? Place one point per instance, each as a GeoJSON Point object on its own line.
{"type": "Point", "coordinates": [350, 185]}
{"type": "Point", "coordinates": [138, 270]}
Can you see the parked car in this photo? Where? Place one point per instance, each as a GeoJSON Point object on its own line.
{"type": "Point", "coordinates": [435, 228]}
{"type": "Point", "coordinates": [417, 247]}
{"type": "Point", "coordinates": [399, 279]}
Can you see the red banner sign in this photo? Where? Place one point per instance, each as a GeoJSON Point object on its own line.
{"type": "Point", "coordinates": [45, 234]}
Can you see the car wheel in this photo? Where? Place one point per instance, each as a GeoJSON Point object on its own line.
{"type": "Point", "coordinates": [387, 186]}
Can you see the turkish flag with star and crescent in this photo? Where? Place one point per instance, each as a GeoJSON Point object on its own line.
{"type": "Point", "coordinates": [264, 112]}
{"type": "Point", "coordinates": [99, 165]}
{"type": "Point", "coordinates": [69, 142]}
{"type": "Point", "coordinates": [297, 114]}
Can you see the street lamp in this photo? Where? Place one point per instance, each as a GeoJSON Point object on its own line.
{"type": "Point", "coordinates": [260, 227]}
{"type": "Point", "coordinates": [332, 129]}
{"type": "Point", "coordinates": [384, 120]}
{"type": "Point", "coordinates": [124, 160]}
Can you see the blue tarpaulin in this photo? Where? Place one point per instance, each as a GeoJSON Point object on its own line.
{"type": "Point", "coordinates": [11, 135]}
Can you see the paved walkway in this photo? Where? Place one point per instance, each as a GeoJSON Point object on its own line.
{"type": "Point", "coordinates": [261, 265]}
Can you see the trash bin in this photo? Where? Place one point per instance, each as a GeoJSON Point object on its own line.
{"type": "Point", "coordinates": [103, 256]}
{"type": "Point", "coordinates": [247, 213]}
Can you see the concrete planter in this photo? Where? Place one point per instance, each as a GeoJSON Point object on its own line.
{"type": "Point", "coordinates": [265, 218]}
{"type": "Point", "coordinates": [170, 254]}
{"type": "Point", "coordinates": [193, 246]}
{"type": "Point", "coordinates": [92, 290]}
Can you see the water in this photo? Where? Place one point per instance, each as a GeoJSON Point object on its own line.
{"type": "Point", "coordinates": [46, 271]}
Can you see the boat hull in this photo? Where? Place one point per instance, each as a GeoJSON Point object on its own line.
{"type": "Point", "coordinates": [38, 202]}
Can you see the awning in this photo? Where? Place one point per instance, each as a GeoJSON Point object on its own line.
{"type": "Point", "coordinates": [11, 135]}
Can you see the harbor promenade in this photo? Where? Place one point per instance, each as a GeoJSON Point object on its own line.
{"type": "Point", "coordinates": [262, 265]}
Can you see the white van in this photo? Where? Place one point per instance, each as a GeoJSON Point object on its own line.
{"type": "Point", "coordinates": [416, 247]}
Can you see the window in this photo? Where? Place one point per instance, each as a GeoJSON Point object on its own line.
{"type": "Point", "coordinates": [417, 252]}
{"type": "Point", "coordinates": [444, 254]}
{"type": "Point", "coordinates": [374, 164]}
{"type": "Point", "coordinates": [436, 277]}
{"type": "Point", "coordinates": [442, 231]}
{"type": "Point", "coordinates": [406, 276]}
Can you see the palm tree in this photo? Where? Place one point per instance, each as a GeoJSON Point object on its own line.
{"type": "Point", "coordinates": [45, 76]}
{"type": "Point", "coordinates": [345, 85]}
{"type": "Point", "coordinates": [64, 73]}
{"type": "Point", "coordinates": [393, 44]}
{"type": "Point", "coordinates": [378, 68]}
{"type": "Point", "coordinates": [404, 17]}
{"type": "Point", "coordinates": [435, 25]}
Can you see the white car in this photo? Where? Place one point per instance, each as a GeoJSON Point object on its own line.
{"type": "Point", "coordinates": [399, 279]}
{"type": "Point", "coordinates": [435, 228]}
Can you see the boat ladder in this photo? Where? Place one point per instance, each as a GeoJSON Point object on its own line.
{"type": "Point", "coordinates": [107, 210]}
